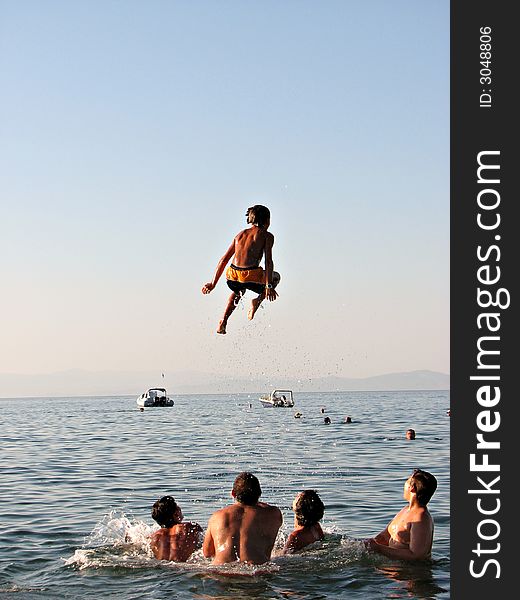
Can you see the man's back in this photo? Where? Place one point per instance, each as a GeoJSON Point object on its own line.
{"type": "Point", "coordinates": [250, 245]}
{"type": "Point", "coordinates": [176, 543]}
{"type": "Point", "coordinates": [242, 532]}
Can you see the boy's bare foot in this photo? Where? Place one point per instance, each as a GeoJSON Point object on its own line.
{"type": "Point", "coordinates": [255, 303]}
{"type": "Point", "coordinates": [221, 327]}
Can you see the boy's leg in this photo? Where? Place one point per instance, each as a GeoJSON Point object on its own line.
{"type": "Point", "coordinates": [255, 305]}
{"type": "Point", "coordinates": [230, 307]}
{"type": "Point", "coordinates": [255, 302]}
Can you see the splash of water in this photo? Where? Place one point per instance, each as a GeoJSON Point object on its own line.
{"type": "Point", "coordinates": [116, 528]}
{"type": "Point", "coordinates": [114, 541]}
{"type": "Point", "coordinates": [119, 542]}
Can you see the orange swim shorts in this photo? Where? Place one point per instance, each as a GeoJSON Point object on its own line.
{"type": "Point", "coordinates": [240, 279]}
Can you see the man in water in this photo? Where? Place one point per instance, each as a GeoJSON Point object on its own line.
{"type": "Point", "coordinates": [175, 540]}
{"type": "Point", "coordinates": [410, 434]}
{"type": "Point", "coordinates": [409, 535]}
{"type": "Point", "coordinates": [244, 273]}
{"type": "Point", "coordinates": [308, 511]}
{"type": "Point", "coordinates": [244, 531]}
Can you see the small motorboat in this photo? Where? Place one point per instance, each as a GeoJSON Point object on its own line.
{"type": "Point", "coordinates": [154, 397]}
{"type": "Point", "coordinates": [278, 399]}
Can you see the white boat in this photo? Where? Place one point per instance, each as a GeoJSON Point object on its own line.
{"type": "Point", "coordinates": [278, 399]}
{"type": "Point", "coordinates": [154, 397]}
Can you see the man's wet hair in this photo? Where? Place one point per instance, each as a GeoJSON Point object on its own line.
{"type": "Point", "coordinates": [258, 215]}
{"type": "Point", "coordinates": [163, 511]}
{"type": "Point", "coordinates": [309, 508]}
{"type": "Point", "coordinates": [246, 488]}
{"type": "Point", "coordinates": [425, 485]}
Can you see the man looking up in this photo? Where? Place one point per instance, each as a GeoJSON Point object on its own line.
{"type": "Point", "coordinates": [409, 535]}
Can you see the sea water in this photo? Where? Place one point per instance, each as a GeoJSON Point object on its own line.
{"type": "Point", "coordinates": [78, 477]}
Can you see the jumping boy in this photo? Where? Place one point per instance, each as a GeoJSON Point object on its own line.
{"type": "Point", "coordinates": [245, 273]}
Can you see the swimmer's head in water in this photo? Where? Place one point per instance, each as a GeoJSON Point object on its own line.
{"type": "Point", "coordinates": [423, 484]}
{"type": "Point", "coordinates": [410, 434]}
{"type": "Point", "coordinates": [258, 215]}
{"type": "Point", "coordinates": [308, 508]}
{"type": "Point", "coordinates": [246, 488]}
{"type": "Point", "coordinates": [166, 512]}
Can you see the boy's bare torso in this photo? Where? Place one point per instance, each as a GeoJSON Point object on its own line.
{"type": "Point", "coordinates": [176, 543]}
{"type": "Point", "coordinates": [250, 246]}
{"type": "Point", "coordinates": [399, 527]}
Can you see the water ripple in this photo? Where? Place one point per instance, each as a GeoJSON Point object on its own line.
{"type": "Point", "coordinates": [72, 466]}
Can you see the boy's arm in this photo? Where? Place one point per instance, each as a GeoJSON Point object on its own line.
{"type": "Point", "coordinates": [206, 289]}
{"type": "Point", "coordinates": [208, 546]}
{"type": "Point", "coordinates": [418, 549]}
{"type": "Point", "coordinates": [158, 546]}
{"type": "Point", "coordinates": [270, 293]}
{"type": "Point", "coordinates": [383, 537]}
{"type": "Point", "coordinates": [293, 543]}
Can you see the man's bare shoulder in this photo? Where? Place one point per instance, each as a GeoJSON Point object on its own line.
{"type": "Point", "coordinates": [242, 233]}
{"type": "Point", "coordinates": [266, 506]}
{"type": "Point", "coordinates": [403, 512]}
{"type": "Point", "coordinates": [421, 514]}
{"type": "Point", "coordinates": [294, 539]}
{"type": "Point", "coordinates": [269, 508]}
{"type": "Point", "coordinates": [225, 512]}
{"type": "Point", "coordinates": [188, 528]}
{"type": "Point", "coordinates": [300, 538]}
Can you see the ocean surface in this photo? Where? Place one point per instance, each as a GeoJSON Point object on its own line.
{"type": "Point", "coordinates": [78, 477]}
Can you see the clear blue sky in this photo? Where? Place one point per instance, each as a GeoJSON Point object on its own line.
{"type": "Point", "coordinates": [135, 134]}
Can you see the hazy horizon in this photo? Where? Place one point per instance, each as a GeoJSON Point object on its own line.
{"type": "Point", "coordinates": [135, 136]}
{"type": "Point", "coordinates": [77, 382]}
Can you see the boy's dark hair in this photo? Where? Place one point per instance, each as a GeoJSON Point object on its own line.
{"type": "Point", "coordinates": [246, 488]}
{"type": "Point", "coordinates": [309, 508]}
{"type": "Point", "coordinates": [425, 485]}
{"type": "Point", "coordinates": [163, 511]}
{"type": "Point", "coordinates": [258, 215]}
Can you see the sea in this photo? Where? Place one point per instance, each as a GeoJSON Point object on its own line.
{"type": "Point", "coordinates": [79, 475]}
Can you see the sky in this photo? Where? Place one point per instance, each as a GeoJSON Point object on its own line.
{"type": "Point", "coordinates": [133, 137]}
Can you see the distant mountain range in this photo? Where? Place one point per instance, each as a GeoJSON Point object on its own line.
{"type": "Point", "coordinates": [78, 382]}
